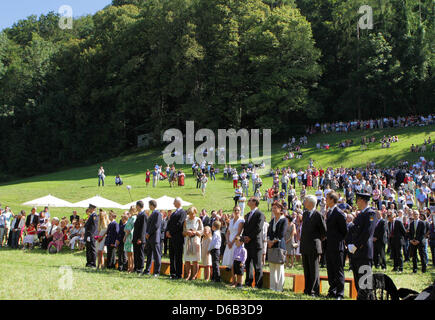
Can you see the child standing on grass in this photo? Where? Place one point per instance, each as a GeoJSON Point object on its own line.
{"type": "Point", "coordinates": [214, 250]}
{"type": "Point", "coordinates": [239, 258]}
{"type": "Point", "coordinates": [205, 256]}
{"type": "Point", "coordinates": [30, 237]}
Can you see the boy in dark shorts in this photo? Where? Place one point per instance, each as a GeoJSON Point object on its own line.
{"type": "Point", "coordinates": [239, 258]}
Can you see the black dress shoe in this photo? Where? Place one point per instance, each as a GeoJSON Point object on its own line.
{"type": "Point", "coordinates": [415, 270]}
{"type": "Point", "coordinates": [339, 298]}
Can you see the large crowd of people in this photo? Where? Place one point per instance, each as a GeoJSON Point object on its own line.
{"type": "Point", "coordinates": [380, 123]}
{"type": "Point", "coordinates": [320, 218]}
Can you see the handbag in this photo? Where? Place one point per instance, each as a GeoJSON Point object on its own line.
{"type": "Point", "coordinates": [277, 255]}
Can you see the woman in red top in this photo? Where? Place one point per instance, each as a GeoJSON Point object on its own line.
{"type": "Point", "coordinates": [309, 181]}
{"type": "Point", "coordinates": [181, 178]}
{"type": "Point", "coordinates": [148, 175]}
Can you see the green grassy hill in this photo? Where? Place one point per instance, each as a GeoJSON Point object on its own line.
{"type": "Point", "coordinates": [29, 270]}
{"type": "Point", "coordinates": [81, 183]}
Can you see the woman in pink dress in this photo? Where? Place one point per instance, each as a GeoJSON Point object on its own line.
{"type": "Point", "coordinates": [309, 181]}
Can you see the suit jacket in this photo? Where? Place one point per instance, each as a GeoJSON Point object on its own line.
{"type": "Point", "coordinates": [163, 229]}
{"type": "Point", "coordinates": [121, 232]}
{"type": "Point", "coordinates": [91, 227]}
{"type": "Point", "coordinates": [397, 235]}
{"type": "Point", "coordinates": [72, 217]}
{"type": "Point", "coordinates": [112, 233]}
{"type": "Point", "coordinates": [175, 224]}
{"type": "Point", "coordinates": [313, 231]}
{"type": "Point", "coordinates": [35, 220]}
{"type": "Point", "coordinates": [253, 228]}
{"type": "Point", "coordinates": [421, 231]}
{"type": "Point", "coordinates": [279, 233]}
{"type": "Point", "coordinates": [336, 230]}
{"type": "Point", "coordinates": [381, 231]}
{"type": "Point", "coordinates": [206, 221]}
{"type": "Point", "coordinates": [154, 227]}
{"type": "Point", "coordinates": [140, 227]}
{"type": "Point", "coordinates": [362, 234]}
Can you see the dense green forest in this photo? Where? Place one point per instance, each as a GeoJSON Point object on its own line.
{"type": "Point", "coordinates": [142, 66]}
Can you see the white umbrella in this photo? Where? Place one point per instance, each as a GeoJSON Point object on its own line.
{"type": "Point", "coordinates": [97, 201]}
{"type": "Point", "coordinates": [167, 203]}
{"type": "Point", "coordinates": [145, 201]}
{"type": "Point", "coordinates": [49, 201]}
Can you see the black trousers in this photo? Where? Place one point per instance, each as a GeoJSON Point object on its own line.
{"type": "Point", "coordinates": [139, 256]}
{"type": "Point", "coordinates": [122, 258]}
{"type": "Point", "coordinates": [111, 257]}
{"type": "Point", "coordinates": [335, 269]}
{"type": "Point", "coordinates": [323, 256]}
{"type": "Point", "coordinates": [363, 268]}
{"type": "Point", "coordinates": [379, 254]}
{"type": "Point", "coordinates": [396, 255]}
{"type": "Point", "coordinates": [176, 256]}
{"type": "Point", "coordinates": [154, 251]}
{"type": "Point", "coordinates": [215, 256]}
{"type": "Point", "coordinates": [310, 262]}
{"type": "Point", "coordinates": [91, 253]}
{"type": "Point", "coordinates": [165, 244]}
{"type": "Point", "coordinates": [255, 256]}
{"type": "Point", "coordinates": [420, 249]}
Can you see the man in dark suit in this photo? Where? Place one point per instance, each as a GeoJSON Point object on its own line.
{"type": "Point", "coordinates": [205, 218]}
{"type": "Point", "coordinates": [361, 246]}
{"type": "Point", "coordinates": [32, 218]}
{"type": "Point", "coordinates": [91, 230]}
{"type": "Point", "coordinates": [74, 216]}
{"type": "Point", "coordinates": [313, 232]}
{"type": "Point", "coordinates": [122, 255]}
{"type": "Point", "coordinates": [380, 238]}
{"type": "Point", "coordinates": [336, 230]}
{"type": "Point", "coordinates": [396, 239]}
{"type": "Point", "coordinates": [139, 240]}
{"type": "Point", "coordinates": [417, 232]}
{"type": "Point", "coordinates": [163, 238]}
{"type": "Point", "coordinates": [153, 234]}
{"type": "Point", "coordinates": [349, 196]}
{"type": "Point", "coordinates": [174, 232]}
{"type": "Point", "coordinates": [110, 242]}
{"type": "Point", "coordinates": [252, 238]}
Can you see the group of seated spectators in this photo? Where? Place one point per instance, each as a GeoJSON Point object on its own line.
{"type": "Point", "coordinates": [426, 146]}
{"type": "Point", "coordinates": [37, 229]}
{"type": "Point", "coordinates": [390, 122]}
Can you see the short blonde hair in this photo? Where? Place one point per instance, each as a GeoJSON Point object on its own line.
{"type": "Point", "coordinates": [192, 210]}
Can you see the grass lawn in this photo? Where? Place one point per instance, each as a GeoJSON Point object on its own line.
{"type": "Point", "coordinates": [30, 270]}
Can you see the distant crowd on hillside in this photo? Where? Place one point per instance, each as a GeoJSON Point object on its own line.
{"type": "Point", "coordinates": [403, 198]}
{"type": "Point", "coordinates": [380, 123]}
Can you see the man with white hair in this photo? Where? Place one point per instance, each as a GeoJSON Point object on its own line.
{"type": "Point", "coordinates": [313, 232]}
{"type": "Point", "coordinates": [174, 232]}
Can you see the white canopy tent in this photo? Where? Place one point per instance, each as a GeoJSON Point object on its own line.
{"type": "Point", "coordinates": [145, 201]}
{"type": "Point", "coordinates": [97, 201]}
{"type": "Point", "coordinates": [49, 201]}
{"type": "Point", "coordinates": [167, 203]}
